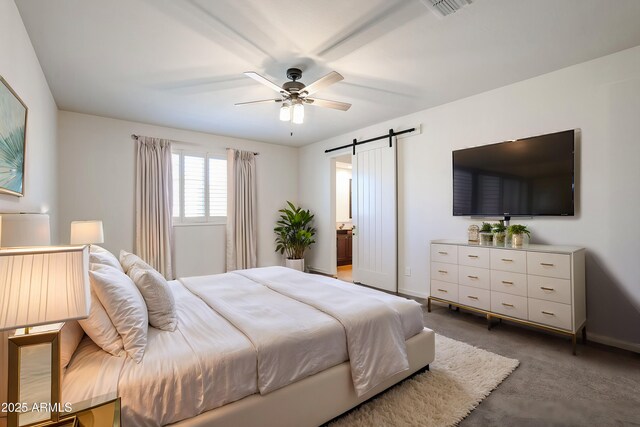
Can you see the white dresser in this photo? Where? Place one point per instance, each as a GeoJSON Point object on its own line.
{"type": "Point", "coordinates": [539, 285]}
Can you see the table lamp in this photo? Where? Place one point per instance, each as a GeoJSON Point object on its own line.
{"type": "Point", "coordinates": [40, 286]}
{"type": "Point", "coordinates": [86, 232]}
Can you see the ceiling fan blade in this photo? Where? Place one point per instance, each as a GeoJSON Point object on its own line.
{"type": "Point", "coordinates": [263, 101]}
{"type": "Point", "coordinates": [343, 106]}
{"type": "Point", "coordinates": [257, 77]}
{"type": "Point", "coordinates": [323, 82]}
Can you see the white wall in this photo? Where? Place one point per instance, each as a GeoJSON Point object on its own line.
{"type": "Point", "coordinates": [343, 188]}
{"type": "Point", "coordinates": [602, 98]}
{"type": "Point", "coordinates": [97, 176]}
{"type": "Point", "coordinates": [19, 66]}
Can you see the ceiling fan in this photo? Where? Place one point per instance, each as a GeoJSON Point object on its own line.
{"type": "Point", "coordinates": [294, 94]}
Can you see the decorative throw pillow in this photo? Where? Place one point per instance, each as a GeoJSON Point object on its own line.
{"type": "Point", "coordinates": [155, 290]}
{"type": "Point", "coordinates": [99, 255]}
{"type": "Point", "coordinates": [125, 307]}
{"type": "Point", "coordinates": [128, 260]}
{"type": "Point", "coordinates": [70, 336]}
{"type": "Point", "coordinates": [100, 329]}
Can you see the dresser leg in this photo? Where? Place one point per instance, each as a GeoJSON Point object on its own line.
{"type": "Point", "coordinates": [429, 305]}
{"type": "Point", "coordinates": [488, 321]}
{"type": "Point", "coordinates": [584, 334]}
{"type": "Point", "coordinates": [573, 343]}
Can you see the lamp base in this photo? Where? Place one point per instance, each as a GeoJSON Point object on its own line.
{"type": "Point", "coordinates": [24, 383]}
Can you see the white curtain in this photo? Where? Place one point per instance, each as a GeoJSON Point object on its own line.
{"type": "Point", "coordinates": [154, 202]}
{"type": "Point", "coordinates": [241, 210]}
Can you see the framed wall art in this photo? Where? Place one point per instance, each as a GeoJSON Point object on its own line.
{"type": "Point", "coordinates": [13, 138]}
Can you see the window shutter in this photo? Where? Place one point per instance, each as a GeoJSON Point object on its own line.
{"type": "Point", "coordinates": [194, 183]}
{"type": "Point", "coordinates": [217, 187]}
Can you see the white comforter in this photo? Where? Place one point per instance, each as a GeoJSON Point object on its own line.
{"type": "Point", "coordinates": [204, 364]}
{"type": "Point", "coordinates": [374, 330]}
{"type": "Point", "coordinates": [258, 337]}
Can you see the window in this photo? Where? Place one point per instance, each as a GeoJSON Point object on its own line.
{"type": "Point", "coordinates": [199, 187]}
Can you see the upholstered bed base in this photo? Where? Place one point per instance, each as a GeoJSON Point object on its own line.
{"type": "Point", "coordinates": [313, 400]}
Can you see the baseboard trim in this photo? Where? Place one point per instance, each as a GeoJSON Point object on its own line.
{"type": "Point", "coordinates": [314, 270]}
{"type": "Point", "coordinates": [412, 293]}
{"type": "Point", "coordinates": [613, 342]}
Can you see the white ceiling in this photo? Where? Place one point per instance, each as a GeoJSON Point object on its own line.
{"type": "Point", "coordinates": [179, 63]}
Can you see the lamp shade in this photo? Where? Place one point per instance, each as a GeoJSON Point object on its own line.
{"type": "Point", "coordinates": [24, 230]}
{"type": "Point", "coordinates": [86, 232]}
{"type": "Point", "coordinates": [41, 285]}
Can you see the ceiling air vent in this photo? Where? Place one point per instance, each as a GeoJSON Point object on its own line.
{"type": "Point", "coordinates": [442, 8]}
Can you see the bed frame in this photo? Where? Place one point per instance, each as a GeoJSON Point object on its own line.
{"type": "Point", "coordinates": [314, 400]}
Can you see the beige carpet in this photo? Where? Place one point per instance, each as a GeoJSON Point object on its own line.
{"type": "Point", "coordinates": [460, 378]}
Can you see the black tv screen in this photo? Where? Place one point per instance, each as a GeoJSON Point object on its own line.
{"type": "Point", "coordinates": [526, 177]}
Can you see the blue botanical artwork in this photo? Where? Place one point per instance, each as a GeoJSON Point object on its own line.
{"type": "Point", "coordinates": [13, 124]}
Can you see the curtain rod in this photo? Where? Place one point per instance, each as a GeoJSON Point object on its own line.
{"type": "Point", "coordinates": [135, 137]}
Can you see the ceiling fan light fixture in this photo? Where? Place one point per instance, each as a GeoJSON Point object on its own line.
{"type": "Point", "coordinates": [285, 112]}
{"type": "Point", "coordinates": [298, 113]}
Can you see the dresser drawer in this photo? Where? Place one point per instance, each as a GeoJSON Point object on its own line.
{"type": "Point", "coordinates": [444, 272]}
{"type": "Point", "coordinates": [444, 290]}
{"type": "Point", "coordinates": [444, 253]}
{"type": "Point", "coordinates": [474, 257]}
{"type": "Point", "coordinates": [474, 276]}
{"type": "Point", "coordinates": [549, 289]}
{"type": "Point", "coordinates": [550, 313]}
{"type": "Point", "coordinates": [509, 305]}
{"type": "Point", "coordinates": [509, 283]}
{"type": "Point", "coordinates": [506, 260]}
{"type": "Point", "coordinates": [474, 297]}
{"type": "Point", "coordinates": [550, 265]}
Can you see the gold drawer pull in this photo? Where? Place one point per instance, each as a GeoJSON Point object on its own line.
{"type": "Point", "coordinates": [443, 253]}
{"type": "Point", "coordinates": [443, 290]}
{"type": "Point", "coordinates": [507, 260]}
{"type": "Point", "coordinates": [548, 312]}
{"type": "Point", "coordinates": [507, 305]}
{"type": "Point", "coordinates": [443, 271]}
{"type": "Point", "coordinates": [506, 282]}
{"type": "Point", "coordinates": [472, 297]}
{"type": "Point", "coordinates": [472, 256]}
{"type": "Point", "coordinates": [544, 288]}
{"type": "Point", "coordinates": [547, 264]}
{"type": "Point", "coordinates": [472, 277]}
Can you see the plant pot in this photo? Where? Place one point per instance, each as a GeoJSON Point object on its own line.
{"type": "Point", "coordinates": [295, 264]}
{"type": "Point", "coordinates": [517, 240]}
{"type": "Point", "coordinates": [486, 238]}
{"type": "Point", "coordinates": [499, 238]}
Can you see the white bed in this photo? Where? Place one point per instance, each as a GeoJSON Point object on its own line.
{"type": "Point", "coordinates": [257, 348]}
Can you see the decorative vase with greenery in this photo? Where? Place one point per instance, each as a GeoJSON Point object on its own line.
{"type": "Point", "coordinates": [499, 233]}
{"type": "Point", "coordinates": [517, 232]}
{"type": "Point", "coordinates": [294, 234]}
{"type": "Point", "coordinates": [486, 238]}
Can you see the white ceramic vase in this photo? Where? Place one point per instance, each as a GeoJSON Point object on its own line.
{"type": "Point", "coordinates": [296, 264]}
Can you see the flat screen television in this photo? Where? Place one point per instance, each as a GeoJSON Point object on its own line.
{"type": "Point", "coordinates": [526, 177]}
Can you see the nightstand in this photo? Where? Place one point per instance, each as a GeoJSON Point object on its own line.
{"type": "Point", "coordinates": [102, 411]}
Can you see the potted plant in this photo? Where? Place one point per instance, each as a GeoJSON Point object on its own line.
{"type": "Point", "coordinates": [486, 238]}
{"type": "Point", "coordinates": [517, 232]}
{"type": "Point", "coordinates": [499, 233]}
{"type": "Point", "coordinates": [294, 234]}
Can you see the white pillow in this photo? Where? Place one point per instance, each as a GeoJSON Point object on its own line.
{"type": "Point", "coordinates": [98, 255]}
{"type": "Point", "coordinates": [128, 260]}
{"type": "Point", "coordinates": [125, 307]}
{"type": "Point", "coordinates": [161, 304]}
{"type": "Point", "coordinates": [70, 336]}
{"type": "Point", "coordinates": [100, 329]}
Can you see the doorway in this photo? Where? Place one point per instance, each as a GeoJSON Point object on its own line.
{"type": "Point", "coordinates": [343, 215]}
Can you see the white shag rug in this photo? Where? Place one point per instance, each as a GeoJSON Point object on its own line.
{"type": "Point", "coordinates": [460, 377]}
